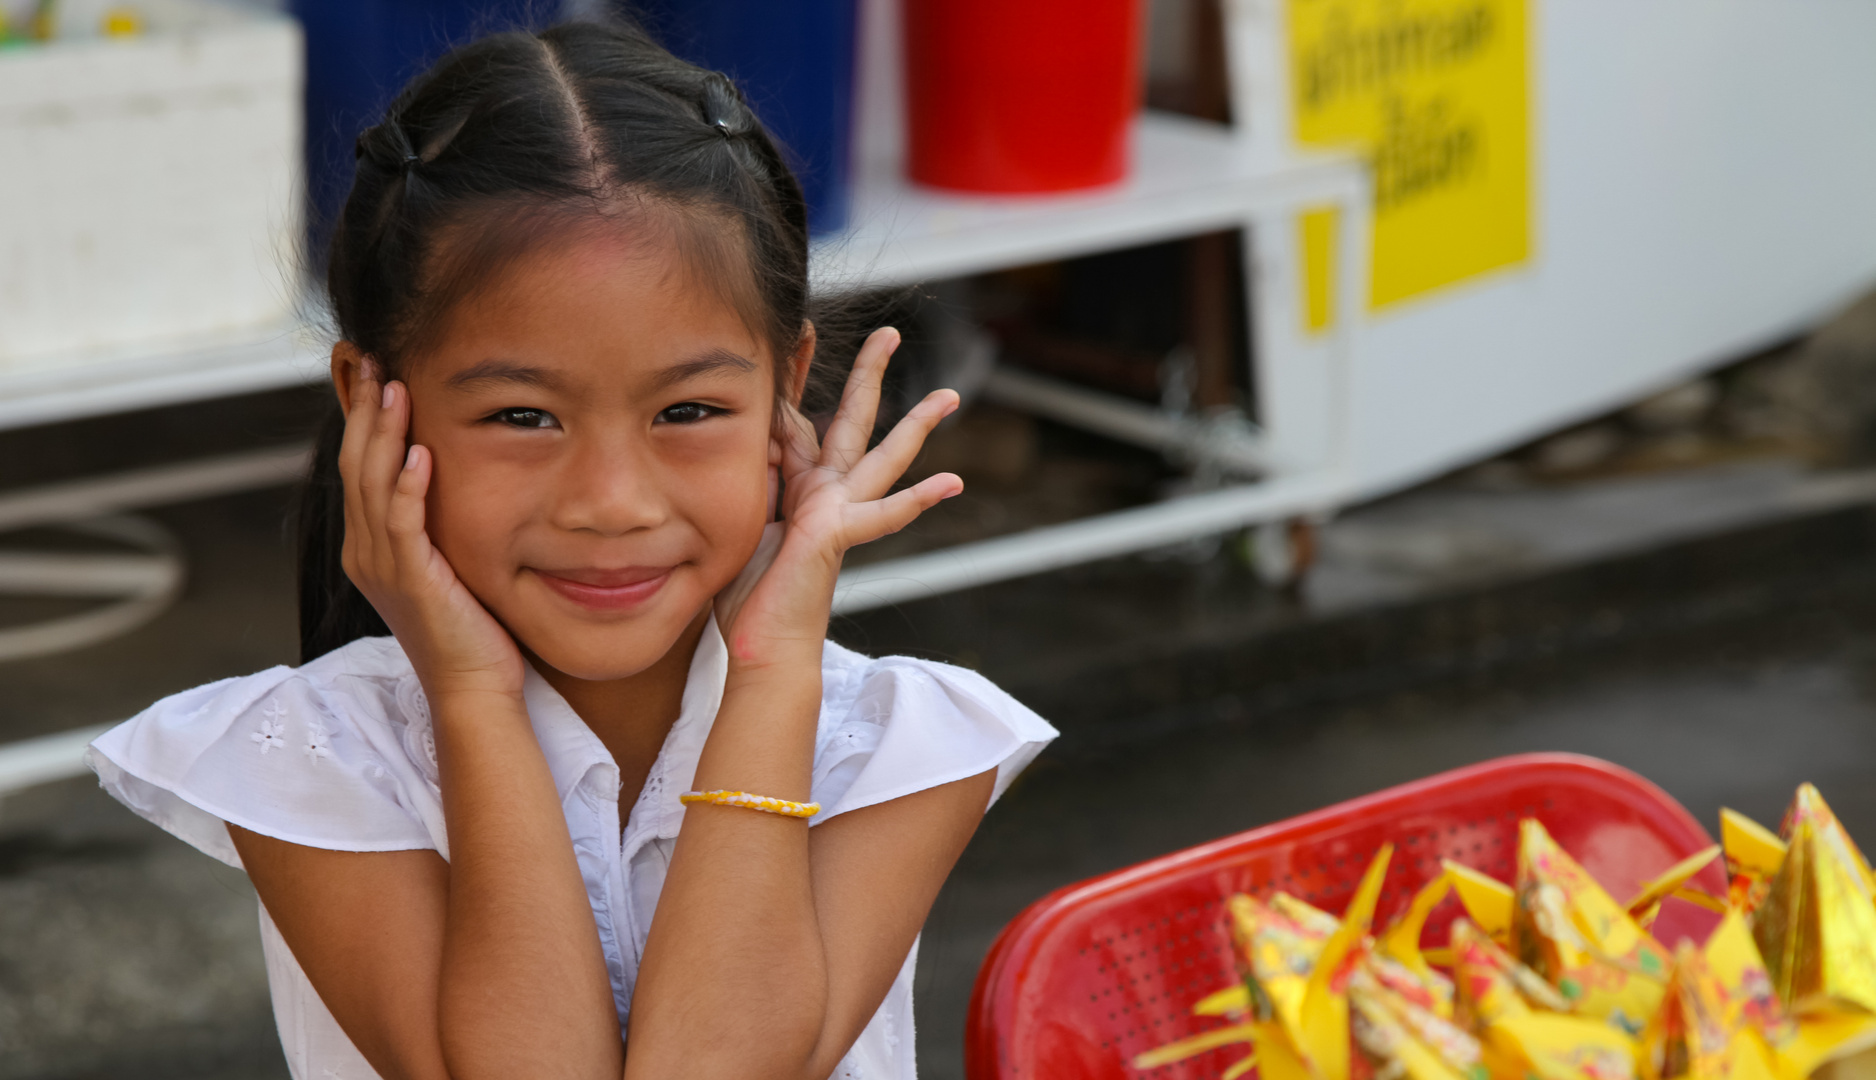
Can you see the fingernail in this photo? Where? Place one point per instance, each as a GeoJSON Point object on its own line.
{"type": "Point", "coordinates": [410, 457]}
{"type": "Point", "coordinates": [385, 401]}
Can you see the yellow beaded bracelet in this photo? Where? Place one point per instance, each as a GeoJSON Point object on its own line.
{"type": "Point", "coordinates": [747, 801]}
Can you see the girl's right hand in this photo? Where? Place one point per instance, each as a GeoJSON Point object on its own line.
{"type": "Point", "coordinates": [455, 645]}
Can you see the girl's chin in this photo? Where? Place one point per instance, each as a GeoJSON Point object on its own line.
{"type": "Point", "coordinates": [602, 659]}
{"type": "Point", "coordinates": [602, 646]}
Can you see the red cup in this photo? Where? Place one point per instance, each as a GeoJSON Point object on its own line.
{"type": "Point", "coordinates": [1021, 95]}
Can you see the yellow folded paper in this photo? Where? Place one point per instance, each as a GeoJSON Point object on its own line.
{"type": "Point", "coordinates": [1672, 882]}
{"type": "Point", "coordinates": [1401, 1035]}
{"type": "Point", "coordinates": [1276, 953]}
{"type": "Point", "coordinates": [1554, 980]}
{"type": "Point", "coordinates": [1321, 1037]}
{"type": "Point", "coordinates": [1489, 902]}
{"type": "Point", "coordinates": [1753, 855]}
{"type": "Point", "coordinates": [1556, 1046]}
{"type": "Point", "coordinates": [1401, 942]}
{"type": "Point", "coordinates": [1570, 931]}
{"type": "Point", "coordinates": [1816, 929]}
{"type": "Point", "coordinates": [1696, 1035]}
{"type": "Point", "coordinates": [1491, 985]}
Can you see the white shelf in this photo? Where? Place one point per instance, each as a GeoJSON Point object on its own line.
{"type": "Point", "coordinates": [1189, 177]}
{"type": "Point", "coordinates": [52, 389]}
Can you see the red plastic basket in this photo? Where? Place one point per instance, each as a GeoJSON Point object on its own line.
{"type": "Point", "coordinates": [1094, 973]}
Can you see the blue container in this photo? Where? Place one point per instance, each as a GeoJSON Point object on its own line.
{"type": "Point", "coordinates": [793, 60]}
{"type": "Point", "coordinates": [359, 54]}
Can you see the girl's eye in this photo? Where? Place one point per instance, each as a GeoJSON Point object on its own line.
{"type": "Point", "coordinates": [688, 412]}
{"type": "Point", "coordinates": [525, 418]}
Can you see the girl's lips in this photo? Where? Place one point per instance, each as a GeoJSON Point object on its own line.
{"type": "Point", "coordinates": [609, 590]}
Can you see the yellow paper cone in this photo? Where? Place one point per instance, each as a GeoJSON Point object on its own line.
{"type": "Point", "coordinates": [1553, 1046]}
{"type": "Point", "coordinates": [1490, 985]}
{"type": "Point", "coordinates": [1406, 1040]}
{"type": "Point", "coordinates": [1816, 929]}
{"type": "Point", "coordinates": [1402, 940]}
{"type": "Point", "coordinates": [1488, 901]}
{"type": "Point", "coordinates": [1570, 931]}
{"type": "Point", "coordinates": [1321, 1038]}
{"type": "Point", "coordinates": [1644, 903]}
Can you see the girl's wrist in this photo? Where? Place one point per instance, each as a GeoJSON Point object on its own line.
{"type": "Point", "coordinates": [764, 658]}
{"type": "Point", "coordinates": [776, 686]}
{"type": "Point", "coordinates": [457, 699]}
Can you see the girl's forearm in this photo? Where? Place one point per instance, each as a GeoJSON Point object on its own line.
{"type": "Point", "coordinates": [524, 989]}
{"type": "Point", "coordinates": [734, 979]}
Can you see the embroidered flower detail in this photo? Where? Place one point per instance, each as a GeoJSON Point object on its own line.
{"type": "Point", "coordinates": [413, 720]}
{"type": "Point", "coordinates": [318, 741]}
{"type": "Point", "coordinates": [272, 732]}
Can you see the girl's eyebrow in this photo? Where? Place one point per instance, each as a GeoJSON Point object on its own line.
{"type": "Point", "coordinates": [702, 364]}
{"type": "Point", "coordinates": [504, 371]}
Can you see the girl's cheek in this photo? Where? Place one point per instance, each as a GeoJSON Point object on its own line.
{"type": "Point", "coordinates": [727, 495]}
{"type": "Point", "coordinates": [473, 507]}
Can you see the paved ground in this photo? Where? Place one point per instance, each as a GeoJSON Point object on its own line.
{"type": "Point", "coordinates": [124, 954]}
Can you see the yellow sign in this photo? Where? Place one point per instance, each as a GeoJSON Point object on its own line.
{"type": "Point", "coordinates": [1435, 93]}
{"type": "Point", "coordinates": [1317, 230]}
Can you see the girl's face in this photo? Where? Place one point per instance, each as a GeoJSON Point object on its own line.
{"type": "Point", "coordinates": [601, 431]}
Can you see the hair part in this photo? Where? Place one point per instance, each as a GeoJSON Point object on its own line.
{"type": "Point", "coordinates": [520, 140]}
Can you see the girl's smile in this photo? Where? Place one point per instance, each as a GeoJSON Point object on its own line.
{"type": "Point", "coordinates": [607, 590]}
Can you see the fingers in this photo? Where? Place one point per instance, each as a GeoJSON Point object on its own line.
{"type": "Point", "coordinates": [404, 515]}
{"type": "Point", "coordinates": [383, 455]}
{"type": "Point", "coordinates": [888, 461]}
{"type": "Point", "coordinates": [800, 453]}
{"type": "Point", "coordinates": [800, 448]}
{"type": "Point", "coordinates": [872, 520]}
{"type": "Point", "coordinates": [371, 460]}
{"type": "Point", "coordinates": [852, 428]}
{"type": "Point", "coordinates": [360, 419]}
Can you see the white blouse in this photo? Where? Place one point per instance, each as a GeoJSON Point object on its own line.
{"type": "Point", "coordinates": [339, 754]}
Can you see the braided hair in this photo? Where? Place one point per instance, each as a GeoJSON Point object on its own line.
{"type": "Point", "coordinates": [501, 146]}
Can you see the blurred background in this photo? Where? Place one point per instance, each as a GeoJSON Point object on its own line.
{"type": "Point", "coordinates": [1355, 389]}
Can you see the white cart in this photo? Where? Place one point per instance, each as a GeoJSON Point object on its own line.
{"type": "Point", "coordinates": [1642, 192]}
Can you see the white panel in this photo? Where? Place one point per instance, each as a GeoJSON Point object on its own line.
{"type": "Point", "coordinates": [1302, 378]}
{"type": "Point", "coordinates": [1705, 184]}
{"type": "Point", "coordinates": [151, 183]}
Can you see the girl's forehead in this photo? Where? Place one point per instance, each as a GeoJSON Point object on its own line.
{"type": "Point", "coordinates": [611, 301]}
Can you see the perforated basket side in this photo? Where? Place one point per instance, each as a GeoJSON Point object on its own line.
{"type": "Point", "coordinates": [1100, 971]}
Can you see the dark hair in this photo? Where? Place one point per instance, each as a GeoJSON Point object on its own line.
{"type": "Point", "coordinates": [512, 141]}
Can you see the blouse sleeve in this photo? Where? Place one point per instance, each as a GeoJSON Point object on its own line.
{"type": "Point", "coordinates": [274, 753]}
{"type": "Point", "coordinates": [916, 724]}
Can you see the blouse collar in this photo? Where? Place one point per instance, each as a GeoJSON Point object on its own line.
{"type": "Point", "coordinates": [575, 755]}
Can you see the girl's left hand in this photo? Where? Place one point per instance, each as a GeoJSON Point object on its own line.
{"type": "Point", "coordinates": [834, 498]}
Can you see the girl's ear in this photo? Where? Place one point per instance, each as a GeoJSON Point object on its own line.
{"type": "Point", "coordinates": [349, 365]}
{"type": "Point", "coordinates": [799, 364]}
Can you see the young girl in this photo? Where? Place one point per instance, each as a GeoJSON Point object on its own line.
{"type": "Point", "coordinates": [605, 802]}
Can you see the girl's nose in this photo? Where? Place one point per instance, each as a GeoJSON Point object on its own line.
{"type": "Point", "coordinates": [609, 488]}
